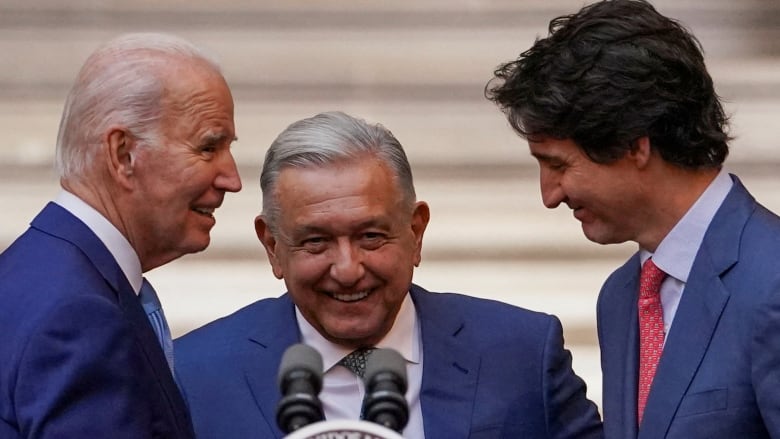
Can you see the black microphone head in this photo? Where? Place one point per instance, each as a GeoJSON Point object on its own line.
{"type": "Point", "coordinates": [303, 359]}
{"type": "Point", "coordinates": [300, 381]}
{"type": "Point", "coordinates": [386, 384]}
{"type": "Point", "coordinates": [386, 361]}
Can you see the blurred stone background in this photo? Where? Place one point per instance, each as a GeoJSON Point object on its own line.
{"type": "Point", "coordinates": [418, 67]}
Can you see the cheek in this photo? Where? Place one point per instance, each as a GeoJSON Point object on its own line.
{"type": "Point", "coordinates": [164, 191]}
{"type": "Point", "coordinates": [190, 184]}
{"type": "Point", "coordinates": [303, 269]}
{"type": "Point", "coordinates": [395, 265]}
{"type": "Point", "coordinates": [583, 186]}
{"type": "Point", "coordinates": [185, 177]}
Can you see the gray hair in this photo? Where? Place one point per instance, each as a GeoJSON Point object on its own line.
{"type": "Point", "coordinates": [329, 138]}
{"type": "Point", "coordinates": [122, 83]}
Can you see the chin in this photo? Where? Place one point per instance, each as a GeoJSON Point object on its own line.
{"type": "Point", "coordinates": [353, 336]}
{"type": "Point", "coordinates": [604, 239]}
{"type": "Point", "coordinates": [196, 246]}
{"type": "Point", "coordinates": [598, 236]}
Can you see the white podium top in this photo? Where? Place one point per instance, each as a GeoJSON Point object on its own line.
{"type": "Point", "coordinates": [344, 429]}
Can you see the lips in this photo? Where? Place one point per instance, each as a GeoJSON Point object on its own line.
{"type": "Point", "coordinates": [205, 211]}
{"type": "Point", "coordinates": [580, 214]}
{"type": "Point", "coordinates": [352, 297]}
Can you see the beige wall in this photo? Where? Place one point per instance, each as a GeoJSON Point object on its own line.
{"type": "Point", "coordinates": [418, 67]}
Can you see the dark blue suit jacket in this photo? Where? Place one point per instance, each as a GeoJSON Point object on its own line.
{"type": "Point", "coordinates": [719, 374]}
{"type": "Point", "coordinates": [79, 358]}
{"type": "Point", "coordinates": [491, 370]}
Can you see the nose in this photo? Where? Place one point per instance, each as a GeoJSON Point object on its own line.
{"type": "Point", "coordinates": [228, 178]}
{"type": "Point", "coordinates": [347, 265]}
{"type": "Point", "coordinates": [550, 185]}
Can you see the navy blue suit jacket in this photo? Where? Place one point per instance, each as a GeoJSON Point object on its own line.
{"type": "Point", "coordinates": [79, 358]}
{"type": "Point", "coordinates": [491, 370]}
{"type": "Point", "coordinates": [719, 374]}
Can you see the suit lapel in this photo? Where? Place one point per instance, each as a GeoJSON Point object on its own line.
{"type": "Point", "coordinates": [620, 350]}
{"type": "Point", "coordinates": [132, 309]}
{"type": "Point", "coordinates": [57, 221]}
{"type": "Point", "coordinates": [450, 370]}
{"type": "Point", "coordinates": [701, 305]}
{"type": "Point", "coordinates": [697, 316]}
{"type": "Point", "coordinates": [630, 357]}
{"type": "Point", "coordinates": [268, 348]}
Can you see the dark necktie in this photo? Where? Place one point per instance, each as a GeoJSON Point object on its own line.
{"type": "Point", "coordinates": [356, 361]}
{"type": "Point", "coordinates": [154, 312]}
{"type": "Point", "coordinates": [651, 330]}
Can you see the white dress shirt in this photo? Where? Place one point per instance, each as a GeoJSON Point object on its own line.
{"type": "Point", "coordinates": [342, 391]}
{"type": "Point", "coordinates": [117, 244]}
{"type": "Point", "coordinates": [676, 253]}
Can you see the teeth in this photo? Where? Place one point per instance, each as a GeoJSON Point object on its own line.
{"type": "Point", "coordinates": [204, 210]}
{"type": "Point", "coordinates": [350, 297]}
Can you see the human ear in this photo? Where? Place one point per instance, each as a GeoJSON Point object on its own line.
{"type": "Point", "coordinates": [269, 242]}
{"type": "Point", "coordinates": [120, 148]}
{"type": "Point", "coordinates": [420, 217]}
{"type": "Point", "coordinates": [641, 151]}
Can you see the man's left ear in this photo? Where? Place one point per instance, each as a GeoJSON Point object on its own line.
{"type": "Point", "coordinates": [120, 147]}
{"type": "Point", "coordinates": [420, 217]}
{"type": "Point", "coordinates": [641, 151]}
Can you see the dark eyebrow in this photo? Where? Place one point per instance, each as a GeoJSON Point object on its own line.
{"type": "Point", "coordinates": [544, 157]}
{"type": "Point", "coordinates": [308, 230]}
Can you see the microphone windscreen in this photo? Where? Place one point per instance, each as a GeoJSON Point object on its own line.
{"type": "Point", "coordinates": [385, 360]}
{"type": "Point", "coordinates": [300, 357]}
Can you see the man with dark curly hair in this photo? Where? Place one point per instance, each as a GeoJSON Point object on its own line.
{"type": "Point", "coordinates": [618, 109]}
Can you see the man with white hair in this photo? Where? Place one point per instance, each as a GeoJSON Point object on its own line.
{"type": "Point", "coordinates": [143, 154]}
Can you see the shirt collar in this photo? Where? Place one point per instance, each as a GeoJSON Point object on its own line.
{"type": "Point", "coordinates": [676, 253]}
{"type": "Point", "coordinates": [403, 337]}
{"type": "Point", "coordinates": [115, 242]}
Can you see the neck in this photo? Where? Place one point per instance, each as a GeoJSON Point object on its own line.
{"type": "Point", "coordinates": [102, 196]}
{"type": "Point", "coordinates": [671, 193]}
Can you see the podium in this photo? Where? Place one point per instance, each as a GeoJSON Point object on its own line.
{"type": "Point", "coordinates": [344, 429]}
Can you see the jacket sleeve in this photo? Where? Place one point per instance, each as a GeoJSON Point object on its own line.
{"type": "Point", "coordinates": [81, 375]}
{"type": "Point", "coordinates": [765, 351]}
{"type": "Point", "coordinates": [570, 414]}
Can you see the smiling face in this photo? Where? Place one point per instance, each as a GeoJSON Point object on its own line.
{"type": "Point", "coordinates": [346, 247]}
{"type": "Point", "coordinates": [608, 199]}
{"type": "Point", "coordinates": [180, 182]}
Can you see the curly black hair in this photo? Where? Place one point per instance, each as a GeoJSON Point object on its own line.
{"type": "Point", "coordinates": [611, 73]}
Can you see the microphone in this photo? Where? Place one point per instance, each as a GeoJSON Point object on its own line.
{"type": "Point", "coordinates": [300, 381]}
{"type": "Point", "coordinates": [385, 381]}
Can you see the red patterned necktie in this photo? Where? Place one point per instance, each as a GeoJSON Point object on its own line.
{"type": "Point", "coordinates": [651, 330]}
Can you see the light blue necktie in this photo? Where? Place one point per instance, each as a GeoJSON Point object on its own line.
{"type": "Point", "coordinates": [154, 312]}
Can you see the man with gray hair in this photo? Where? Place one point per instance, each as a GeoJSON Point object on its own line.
{"type": "Point", "coordinates": [342, 227]}
{"type": "Point", "coordinates": [144, 159]}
